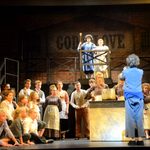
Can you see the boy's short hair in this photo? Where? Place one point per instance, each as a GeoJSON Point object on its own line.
{"type": "Point", "coordinates": [92, 80]}
{"type": "Point", "coordinates": [27, 80]}
{"type": "Point", "coordinates": [38, 81]}
{"type": "Point", "coordinates": [76, 82]}
{"type": "Point", "coordinates": [6, 92]}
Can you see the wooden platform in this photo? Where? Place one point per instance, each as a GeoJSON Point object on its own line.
{"type": "Point", "coordinates": [107, 121]}
{"type": "Point", "coordinates": [82, 144]}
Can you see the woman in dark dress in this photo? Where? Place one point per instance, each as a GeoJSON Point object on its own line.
{"type": "Point", "coordinates": [51, 114]}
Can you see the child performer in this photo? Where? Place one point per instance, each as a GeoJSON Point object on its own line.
{"type": "Point", "coordinates": [87, 57]}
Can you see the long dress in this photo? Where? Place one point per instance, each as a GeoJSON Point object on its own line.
{"type": "Point", "coordinates": [87, 57]}
{"type": "Point", "coordinates": [134, 103]}
{"type": "Point", "coordinates": [51, 117]}
{"type": "Point", "coordinates": [100, 58]}
{"type": "Point", "coordinates": [63, 95]}
{"type": "Point", "coordinates": [147, 112]}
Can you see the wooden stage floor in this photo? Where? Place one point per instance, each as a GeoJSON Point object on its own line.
{"type": "Point", "coordinates": [81, 144]}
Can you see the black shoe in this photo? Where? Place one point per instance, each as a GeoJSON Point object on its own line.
{"type": "Point", "coordinates": [132, 143]}
{"type": "Point", "coordinates": [49, 141]}
{"type": "Point", "coordinates": [140, 143]}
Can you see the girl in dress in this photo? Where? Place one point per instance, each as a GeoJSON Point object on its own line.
{"type": "Point", "coordinates": [146, 92]}
{"type": "Point", "coordinates": [101, 58]}
{"type": "Point", "coordinates": [51, 115]}
{"type": "Point", "coordinates": [63, 95]}
{"type": "Point", "coordinates": [87, 57]}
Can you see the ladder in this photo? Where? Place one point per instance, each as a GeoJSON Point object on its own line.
{"type": "Point", "coordinates": [9, 73]}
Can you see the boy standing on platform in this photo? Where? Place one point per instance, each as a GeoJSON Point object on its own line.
{"type": "Point", "coordinates": [81, 110]}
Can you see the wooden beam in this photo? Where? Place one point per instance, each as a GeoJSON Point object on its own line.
{"type": "Point", "coordinates": [70, 2]}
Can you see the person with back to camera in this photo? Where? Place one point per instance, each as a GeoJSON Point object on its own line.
{"type": "Point", "coordinates": [134, 103]}
{"type": "Point", "coordinates": [87, 57]}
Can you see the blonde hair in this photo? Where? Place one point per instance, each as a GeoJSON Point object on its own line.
{"type": "Point", "coordinates": [53, 87]}
{"type": "Point", "coordinates": [17, 111]}
{"type": "Point", "coordinates": [38, 81]}
{"type": "Point", "coordinates": [31, 97]}
{"type": "Point", "coordinates": [101, 76]}
{"type": "Point", "coordinates": [31, 110]}
{"type": "Point", "coordinates": [22, 97]}
{"type": "Point", "coordinates": [99, 73]}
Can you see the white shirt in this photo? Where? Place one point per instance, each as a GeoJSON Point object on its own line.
{"type": "Point", "coordinates": [30, 126]}
{"type": "Point", "coordinates": [25, 91]}
{"type": "Point", "coordinates": [8, 107]}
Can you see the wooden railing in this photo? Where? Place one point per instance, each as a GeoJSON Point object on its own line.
{"type": "Point", "coordinates": [95, 55]}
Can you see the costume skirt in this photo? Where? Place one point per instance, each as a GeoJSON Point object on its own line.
{"type": "Point", "coordinates": [134, 117]}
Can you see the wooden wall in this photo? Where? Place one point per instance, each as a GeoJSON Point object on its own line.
{"type": "Point", "coordinates": [40, 37]}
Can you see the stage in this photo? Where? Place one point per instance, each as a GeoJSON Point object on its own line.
{"type": "Point", "coordinates": [82, 144]}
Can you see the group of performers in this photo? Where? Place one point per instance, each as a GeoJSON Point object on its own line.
{"type": "Point", "coordinates": [94, 61]}
{"type": "Point", "coordinates": [135, 94]}
{"type": "Point", "coordinates": [132, 77]}
{"type": "Point", "coordinates": [132, 85]}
